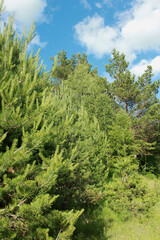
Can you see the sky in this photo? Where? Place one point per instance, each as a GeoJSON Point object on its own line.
{"type": "Point", "coordinates": [94, 27]}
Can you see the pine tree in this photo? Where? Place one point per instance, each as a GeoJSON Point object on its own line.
{"type": "Point", "coordinates": [90, 90]}
{"type": "Point", "coordinates": [85, 149]}
{"type": "Point", "coordinates": [138, 99]}
{"type": "Point", "coordinates": [62, 66]}
{"type": "Point", "coordinates": [125, 191]}
{"type": "Point", "coordinates": [27, 208]}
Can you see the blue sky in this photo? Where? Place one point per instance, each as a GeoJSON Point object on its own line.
{"type": "Point", "coordinates": [94, 27]}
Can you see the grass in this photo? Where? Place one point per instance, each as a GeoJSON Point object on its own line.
{"type": "Point", "coordinates": [141, 228]}
{"type": "Point", "coordinates": [104, 224]}
{"type": "Point", "coordinates": [137, 229]}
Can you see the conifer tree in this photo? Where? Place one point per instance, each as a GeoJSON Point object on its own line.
{"type": "Point", "coordinates": [85, 149]}
{"type": "Point", "coordinates": [62, 66]}
{"type": "Point", "coordinates": [125, 191]}
{"type": "Point", "coordinates": [90, 90]}
{"type": "Point", "coordinates": [138, 98]}
{"type": "Point", "coordinates": [27, 208]}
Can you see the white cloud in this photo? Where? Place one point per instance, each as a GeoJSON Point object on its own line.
{"type": "Point", "coordinates": [141, 32]}
{"type": "Point", "coordinates": [98, 5]}
{"type": "Point", "coordinates": [36, 41]}
{"type": "Point", "coordinates": [98, 38]}
{"type": "Point", "coordinates": [107, 1]}
{"type": "Point", "coordinates": [26, 10]}
{"type": "Point", "coordinates": [139, 68]}
{"type": "Point", "coordinates": [86, 4]}
{"type": "Point", "coordinates": [135, 31]}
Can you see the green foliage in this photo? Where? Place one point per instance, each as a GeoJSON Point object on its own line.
{"type": "Point", "coordinates": [138, 99]}
{"type": "Point", "coordinates": [127, 197]}
{"type": "Point", "coordinates": [71, 150]}
{"type": "Point", "coordinates": [134, 96]}
{"type": "Point", "coordinates": [91, 90]}
{"type": "Point", "coordinates": [126, 194]}
{"type": "Point", "coordinates": [122, 141]}
{"type": "Point", "coordinates": [62, 66]}
{"type": "Point", "coordinates": [140, 226]}
{"type": "Point", "coordinates": [84, 151]}
{"type": "Point", "coordinates": [91, 225]}
{"type": "Point", "coordinates": [26, 175]}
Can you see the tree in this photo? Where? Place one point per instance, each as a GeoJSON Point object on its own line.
{"type": "Point", "coordinates": [62, 66]}
{"type": "Point", "coordinates": [52, 155]}
{"type": "Point", "coordinates": [125, 192]}
{"type": "Point", "coordinates": [27, 208]}
{"type": "Point", "coordinates": [137, 98]}
{"type": "Point", "coordinates": [84, 150]}
{"type": "Point", "coordinates": [90, 90]}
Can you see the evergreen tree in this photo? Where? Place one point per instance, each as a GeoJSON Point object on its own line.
{"type": "Point", "coordinates": [134, 96]}
{"type": "Point", "coordinates": [138, 99]}
{"type": "Point", "coordinates": [62, 66]}
{"type": "Point", "coordinates": [126, 194]}
{"type": "Point", "coordinates": [85, 150]}
{"type": "Point", "coordinates": [90, 90]}
{"type": "Point", "coordinates": [50, 160]}
{"type": "Point", "coordinates": [27, 208]}
{"type": "Point", "coordinates": [65, 150]}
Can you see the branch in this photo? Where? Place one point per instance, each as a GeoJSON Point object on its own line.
{"type": "Point", "coordinates": [25, 121]}
{"type": "Point", "coordinates": [19, 204]}
{"type": "Point", "coordinates": [33, 147]}
{"type": "Point", "coordinates": [8, 157]}
{"type": "Point", "coordinates": [2, 210]}
{"type": "Point", "coordinates": [57, 238]}
{"type": "Point", "coordinates": [24, 153]}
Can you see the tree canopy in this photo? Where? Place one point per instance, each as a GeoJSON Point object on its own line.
{"type": "Point", "coordinates": [72, 143]}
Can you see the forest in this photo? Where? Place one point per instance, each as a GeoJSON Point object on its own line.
{"type": "Point", "coordinates": [79, 155]}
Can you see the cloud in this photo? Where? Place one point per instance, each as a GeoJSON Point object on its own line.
{"type": "Point", "coordinates": [135, 31]}
{"type": "Point", "coordinates": [104, 2]}
{"type": "Point", "coordinates": [107, 1]}
{"type": "Point", "coordinates": [36, 41]}
{"type": "Point", "coordinates": [98, 38]}
{"type": "Point", "coordinates": [141, 32]}
{"type": "Point", "coordinates": [86, 4]}
{"type": "Point", "coordinates": [139, 68]}
{"type": "Point", "coordinates": [26, 10]}
{"type": "Point", "coordinates": [98, 5]}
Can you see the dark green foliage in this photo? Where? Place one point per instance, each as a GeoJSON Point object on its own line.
{"type": "Point", "coordinates": [138, 99]}
{"type": "Point", "coordinates": [62, 66]}
{"type": "Point", "coordinates": [90, 226]}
